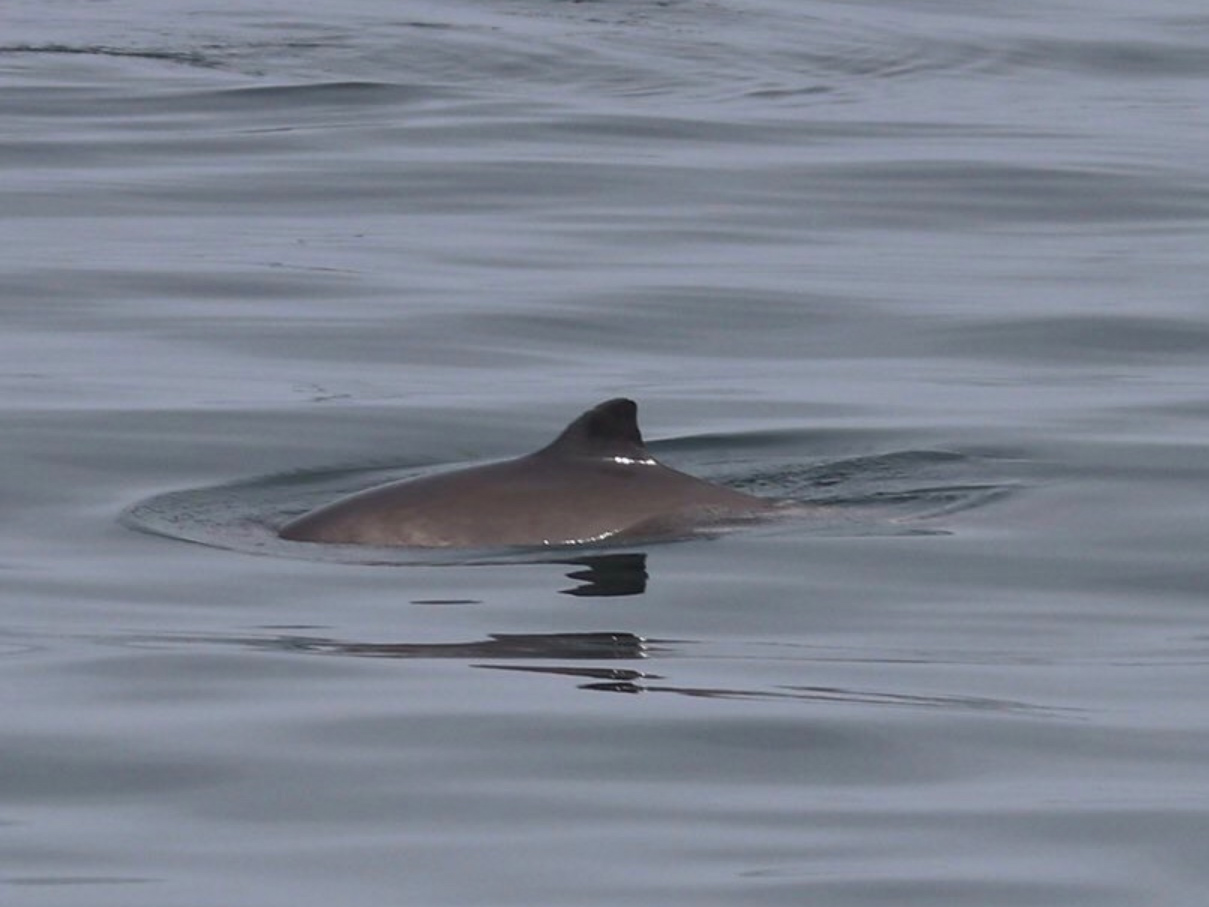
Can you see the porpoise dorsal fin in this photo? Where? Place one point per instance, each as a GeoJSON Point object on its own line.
{"type": "Point", "coordinates": [609, 429]}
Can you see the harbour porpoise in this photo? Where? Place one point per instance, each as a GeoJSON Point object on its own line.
{"type": "Point", "coordinates": [595, 482]}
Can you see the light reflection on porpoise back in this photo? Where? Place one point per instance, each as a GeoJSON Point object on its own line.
{"type": "Point", "coordinates": [595, 482]}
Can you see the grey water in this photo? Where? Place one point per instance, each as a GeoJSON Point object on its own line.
{"type": "Point", "coordinates": [939, 269]}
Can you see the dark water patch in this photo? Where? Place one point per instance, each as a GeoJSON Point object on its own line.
{"type": "Point", "coordinates": [1113, 59]}
{"type": "Point", "coordinates": [155, 125]}
{"type": "Point", "coordinates": [648, 55]}
{"type": "Point", "coordinates": [328, 95]}
{"type": "Point", "coordinates": [951, 193]}
{"type": "Point", "coordinates": [370, 188]}
{"type": "Point", "coordinates": [168, 105]}
{"type": "Point", "coordinates": [1088, 338]}
{"type": "Point", "coordinates": [180, 57]}
{"type": "Point", "coordinates": [505, 646]}
{"type": "Point", "coordinates": [498, 646]}
{"type": "Point", "coordinates": [905, 485]}
{"type": "Point", "coordinates": [455, 342]}
{"type": "Point", "coordinates": [701, 321]}
{"type": "Point", "coordinates": [117, 300]}
{"type": "Point", "coordinates": [501, 651]}
{"type": "Point", "coordinates": [65, 880]}
{"type": "Point", "coordinates": [10, 649]}
{"type": "Point", "coordinates": [874, 53]}
{"type": "Point", "coordinates": [309, 109]}
{"type": "Point", "coordinates": [612, 680]}
{"type": "Point", "coordinates": [71, 770]}
{"type": "Point", "coordinates": [266, 107]}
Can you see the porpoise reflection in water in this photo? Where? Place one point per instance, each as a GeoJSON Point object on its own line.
{"type": "Point", "coordinates": [595, 482]}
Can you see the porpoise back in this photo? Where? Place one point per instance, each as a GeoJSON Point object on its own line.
{"type": "Point", "coordinates": [596, 481]}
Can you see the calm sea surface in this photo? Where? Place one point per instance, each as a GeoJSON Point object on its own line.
{"type": "Point", "coordinates": [941, 268]}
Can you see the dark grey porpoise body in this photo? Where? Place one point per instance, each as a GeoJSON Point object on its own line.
{"type": "Point", "coordinates": [596, 481]}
